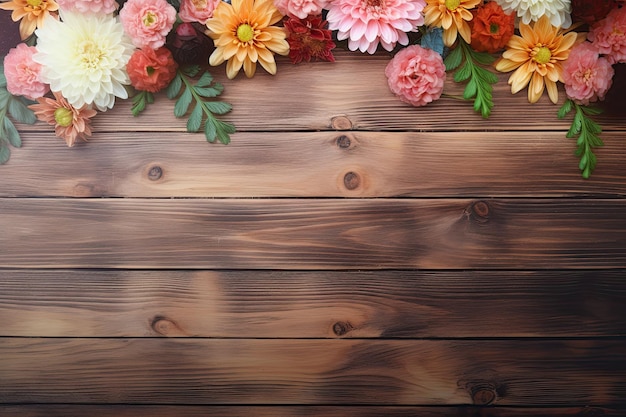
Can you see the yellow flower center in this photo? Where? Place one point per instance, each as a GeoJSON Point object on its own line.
{"type": "Point", "coordinates": [34, 3]}
{"type": "Point", "coordinates": [453, 4]}
{"type": "Point", "coordinates": [90, 54]}
{"type": "Point", "coordinates": [63, 117]}
{"type": "Point", "coordinates": [149, 19]}
{"type": "Point", "coordinates": [245, 33]}
{"type": "Point", "coordinates": [542, 55]}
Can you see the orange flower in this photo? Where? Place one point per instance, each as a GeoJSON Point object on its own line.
{"type": "Point", "coordinates": [451, 15]}
{"type": "Point", "coordinates": [31, 13]}
{"type": "Point", "coordinates": [491, 28]}
{"type": "Point", "coordinates": [69, 122]}
{"type": "Point", "coordinates": [537, 57]}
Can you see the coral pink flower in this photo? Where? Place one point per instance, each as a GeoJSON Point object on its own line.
{"type": "Point", "coordinates": [586, 75]}
{"type": "Point", "coordinates": [609, 36]}
{"type": "Point", "coordinates": [148, 22]}
{"type": "Point", "coordinates": [197, 10]}
{"type": "Point", "coordinates": [366, 23]}
{"type": "Point", "coordinates": [22, 73]}
{"type": "Point", "coordinates": [151, 70]}
{"type": "Point", "coordinates": [88, 6]}
{"type": "Point", "coordinates": [416, 75]}
{"type": "Point", "coordinates": [300, 8]}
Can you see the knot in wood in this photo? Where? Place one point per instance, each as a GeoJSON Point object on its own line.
{"type": "Point", "coordinates": [155, 173]}
{"type": "Point", "coordinates": [344, 142]}
{"type": "Point", "coordinates": [480, 211]}
{"type": "Point", "coordinates": [162, 325]}
{"type": "Point", "coordinates": [351, 180]}
{"type": "Point", "coordinates": [341, 123]}
{"type": "Point", "coordinates": [483, 393]}
{"type": "Point", "coordinates": [342, 327]}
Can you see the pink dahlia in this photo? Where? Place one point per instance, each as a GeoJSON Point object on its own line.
{"type": "Point", "coordinates": [148, 22]}
{"type": "Point", "coordinates": [416, 75]}
{"type": "Point", "coordinates": [197, 10]}
{"type": "Point", "coordinates": [22, 73]}
{"type": "Point", "coordinates": [300, 8]}
{"type": "Point", "coordinates": [587, 76]}
{"type": "Point", "coordinates": [609, 36]}
{"type": "Point", "coordinates": [366, 23]}
{"type": "Point", "coordinates": [88, 6]}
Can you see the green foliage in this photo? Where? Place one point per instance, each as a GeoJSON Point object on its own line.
{"type": "Point", "coordinates": [17, 108]}
{"type": "Point", "coordinates": [467, 65]}
{"type": "Point", "coordinates": [587, 131]}
{"type": "Point", "coordinates": [140, 101]}
{"type": "Point", "coordinates": [193, 97]}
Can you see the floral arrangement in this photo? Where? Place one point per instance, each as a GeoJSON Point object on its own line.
{"type": "Point", "coordinates": [77, 57]}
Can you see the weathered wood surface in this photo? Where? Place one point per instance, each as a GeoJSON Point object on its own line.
{"type": "Point", "coordinates": [346, 255]}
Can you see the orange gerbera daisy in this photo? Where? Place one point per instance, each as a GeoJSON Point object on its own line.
{"type": "Point", "coordinates": [243, 36]}
{"type": "Point", "coordinates": [537, 57]}
{"type": "Point", "coordinates": [451, 15]}
{"type": "Point", "coordinates": [31, 13]}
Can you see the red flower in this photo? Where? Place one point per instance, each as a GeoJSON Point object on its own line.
{"type": "Point", "coordinates": [491, 28]}
{"type": "Point", "coordinates": [309, 38]}
{"type": "Point", "coordinates": [151, 70]}
{"type": "Point", "coordinates": [591, 11]}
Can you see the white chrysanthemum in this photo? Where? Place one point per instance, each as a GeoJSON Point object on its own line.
{"type": "Point", "coordinates": [531, 10]}
{"type": "Point", "coordinates": [84, 58]}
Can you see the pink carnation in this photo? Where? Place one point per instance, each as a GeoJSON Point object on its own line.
{"type": "Point", "coordinates": [88, 6]}
{"type": "Point", "coordinates": [609, 36]}
{"type": "Point", "coordinates": [148, 22]}
{"type": "Point", "coordinates": [22, 73]}
{"type": "Point", "coordinates": [366, 23]}
{"type": "Point", "coordinates": [416, 75]}
{"type": "Point", "coordinates": [197, 10]}
{"type": "Point", "coordinates": [300, 8]}
{"type": "Point", "coordinates": [586, 75]}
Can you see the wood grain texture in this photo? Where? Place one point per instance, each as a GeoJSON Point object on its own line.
{"type": "Point", "coordinates": [291, 304]}
{"type": "Point", "coordinates": [293, 371]}
{"type": "Point", "coordinates": [307, 164]}
{"type": "Point", "coordinates": [312, 234]}
{"type": "Point", "coordinates": [54, 410]}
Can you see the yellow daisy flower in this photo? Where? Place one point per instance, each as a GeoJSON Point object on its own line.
{"type": "Point", "coordinates": [537, 57]}
{"type": "Point", "coordinates": [31, 13]}
{"type": "Point", "coordinates": [451, 15]}
{"type": "Point", "coordinates": [243, 36]}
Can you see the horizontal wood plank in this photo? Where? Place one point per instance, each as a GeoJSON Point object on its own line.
{"type": "Point", "coordinates": [300, 371]}
{"type": "Point", "coordinates": [312, 234]}
{"type": "Point", "coordinates": [291, 304]}
{"type": "Point", "coordinates": [308, 164]}
{"type": "Point", "coordinates": [54, 410]}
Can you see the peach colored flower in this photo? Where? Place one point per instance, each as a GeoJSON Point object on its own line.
{"type": "Point", "coordinates": [367, 23]}
{"type": "Point", "coordinates": [587, 76]}
{"type": "Point", "coordinates": [452, 16]}
{"type": "Point", "coordinates": [197, 10]}
{"type": "Point", "coordinates": [609, 36]}
{"type": "Point", "coordinates": [69, 122]}
{"type": "Point", "coordinates": [416, 75]}
{"type": "Point", "coordinates": [301, 8]}
{"type": "Point", "coordinates": [22, 73]}
{"type": "Point", "coordinates": [148, 22]}
{"type": "Point", "coordinates": [151, 70]}
{"type": "Point", "coordinates": [88, 6]}
{"type": "Point", "coordinates": [30, 13]}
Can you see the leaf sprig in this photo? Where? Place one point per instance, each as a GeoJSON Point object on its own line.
{"type": "Point", "coordinates": [17, 108]}
{"type": "Point", "coordinates": [479, 80]}
{"type": "Point", "coordinates": [204, 88]}
{"type": "Point", "coordinates": [588, 132]}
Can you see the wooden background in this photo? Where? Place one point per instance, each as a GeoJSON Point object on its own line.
{"type": "Point", "coordinates": [346, 255]}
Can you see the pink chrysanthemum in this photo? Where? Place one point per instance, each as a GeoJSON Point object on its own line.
{"type": "Point", "coordinates": [609, 36]}
{"type": "Point", "coordinates": [197, 10]}
{"type": "Point", "coordinates": [89, 6]}
{"type": "Point", "coordinates": [416, 75]}
{"type": "Point", "coordinates": [148, 22]}
{"type": "Point", "coordinates": [366, 23]}
{"type": "Point", "coordinates": [22, 73]}
{"type": "Point", "coordinates": [587, 76]}
{"type": "Point", "coordinates": [300, 8]}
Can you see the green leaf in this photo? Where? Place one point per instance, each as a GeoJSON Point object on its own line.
{"type": "Point", "coordinates": [207, 92]}
{"type": "Point", "coordinates": [565, 109]}
{"type": "Point", "coordinates": [174, 87]}
{"type": "Point", "coordinates": [5, 152]}
{"type": "Point", "coordinates": [454, 59]}
{"type": "Point", "coordinates": [588, 138]}
{"type": "Point", "coordinates": [195, 119]}
{"type": "Point", "coordinates": [205, 80]}
{"type": "Point", "coordinates": [19, 111]}
{"type": "Point", "coordinates": [483, 58]}
{"type": "Point", "coordinates": [223, 131]}
{"type": "Point", "coordinates": [470, 90]}
{"type": "Point", "coordinates": [183, 102]}
{"type": "Point", "coordinates": [191, 71]}
{"type": "Point", "coordinates": [463, 73]}
{"type": "Point", "coordinates": [3, 79]}
{"type": "Point", "coordinates": [11, 133]}
{"type": "Point", "coordinates": [210, 130]}
{"type": "Point", "coordinates": [218, 107]}
{"type": "Point", "coordinates": [140, 101]}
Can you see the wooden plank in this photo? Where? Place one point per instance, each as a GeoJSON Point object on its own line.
{"type": "Point", "coordinates": [313, 371]}
{"type": "Point", "coordinates": [54, 410]}
{"type": "Point", "coordinates": [312, 234]}
{"type": "Point", "coordinates": [273, 304]}
{"type": "Point", "coordinates": [307, 164]}
{"type": "Point", "coordinates": [350, 93]}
